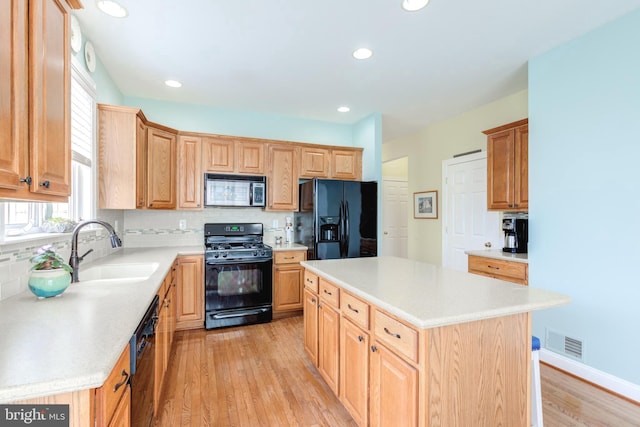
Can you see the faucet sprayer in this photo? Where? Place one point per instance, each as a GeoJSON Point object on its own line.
{"type": "Point", "coordinates": [74, 260]}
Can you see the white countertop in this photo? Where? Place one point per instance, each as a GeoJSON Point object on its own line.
{"type": "Point", "coordinates": [498, 254]}
{"type": "Point", "coordinates": [71, 342]}
{"type": "Point", "coordinates": [287, 247]}
{"type": "Point", "coordinates": [429, 296]}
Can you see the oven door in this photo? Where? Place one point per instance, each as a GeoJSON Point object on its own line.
{"type": "Point", "coordinates": [237, 284]}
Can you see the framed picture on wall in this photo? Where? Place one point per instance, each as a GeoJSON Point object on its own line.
{"type": "Point", "coordinates": [425, 204]}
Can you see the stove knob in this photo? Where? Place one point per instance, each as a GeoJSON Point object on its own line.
{"type": "Point", "coordinates": [224, 255]}
{"type": "Point", "coordinates": [255, 253]}
{"type": "Point", "coordinates": [262, 252]}
{"type": "Point", "coordinates": [215, 255]}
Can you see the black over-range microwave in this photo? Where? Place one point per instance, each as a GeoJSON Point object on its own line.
{"type": "Point", "coordinates": [234, 190]}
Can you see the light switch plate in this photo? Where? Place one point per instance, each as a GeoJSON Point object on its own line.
{"type": "Point", "coordinates": [182, 224]}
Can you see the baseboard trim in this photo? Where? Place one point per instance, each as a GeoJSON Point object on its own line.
{"type": "Point", "coordinates": [606, 381]}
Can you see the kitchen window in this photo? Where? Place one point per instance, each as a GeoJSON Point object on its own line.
{"type": "Point", "coordinates": [19, 218]}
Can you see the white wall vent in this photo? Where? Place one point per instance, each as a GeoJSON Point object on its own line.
{"type": "Point", "coordinates": [568, 346]}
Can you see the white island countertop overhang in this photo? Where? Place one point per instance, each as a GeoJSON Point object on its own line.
{"type": "Point", "coordinates": [429, 296]}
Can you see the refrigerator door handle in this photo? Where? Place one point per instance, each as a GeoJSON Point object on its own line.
{"type": "Point", "coordinates": [340, 227]}
{"type": "Point", "coordinates": [346, 229]}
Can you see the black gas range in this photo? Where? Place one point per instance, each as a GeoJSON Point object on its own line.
{"type": "Point", "coordinates": [238, 275]}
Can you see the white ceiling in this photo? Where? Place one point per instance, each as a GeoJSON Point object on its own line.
{"type": "Point", "coordinates": [293, 57]}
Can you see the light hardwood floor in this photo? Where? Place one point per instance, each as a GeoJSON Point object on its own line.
{"type": "Point", "coordinates": [259, 375]}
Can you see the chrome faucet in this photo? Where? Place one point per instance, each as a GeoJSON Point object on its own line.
{"type": "Point", "coordinates": [74, 260]}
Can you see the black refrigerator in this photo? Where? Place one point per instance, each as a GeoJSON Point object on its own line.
{"type": "Point", "coordinates": [337, 219]}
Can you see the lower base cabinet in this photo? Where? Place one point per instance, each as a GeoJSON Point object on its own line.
{"type": "Point", "coordinates": [165, 329]}
{"type": "Point", "coordinates": [328, 345]}
{"type": "Point", "coordinates": [190, 292]}
{"type": "Point", "coordinates": [354, 371]}
{"type": "Point", "coordinates": [311, 325]}
{"type": "Point", "coordinates": [113, 399]}
{"type": "Point", "coordinates": [394, 389]}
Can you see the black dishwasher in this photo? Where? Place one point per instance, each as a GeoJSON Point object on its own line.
{"type": "Point", "coordinates": [142, 346]}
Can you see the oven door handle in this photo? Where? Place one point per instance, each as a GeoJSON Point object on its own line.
{"type": "Point", "coordinates": [238, 313]}
{"type": "Point", "coordinates": [238, 261]}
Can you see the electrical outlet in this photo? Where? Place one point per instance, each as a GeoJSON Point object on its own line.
{"type": "Point", "coordinates": [115, 225]}
{"type": "Point", "coordinates": [182, 224]}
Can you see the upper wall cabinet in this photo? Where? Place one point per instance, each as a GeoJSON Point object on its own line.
{"type": "Point", "coordinates": [508, 167]}
{"type": "Point", "coordinates": [330, 162]}
{"type": "Point", "coordinates": [35, 76]}
{"type": "Point", "coordinates": [282, 178]}
{"type": "Point", "coordinates": [229, 155]}
{"type": "Point", "coordinates": [136, 161]}
{"type": "Point", "coordinates": [189, 172]}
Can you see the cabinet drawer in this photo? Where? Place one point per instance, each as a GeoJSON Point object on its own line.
{"type": "Point", "coordinates": [311, 281]}
{"type": "Point", "coordinates": [499, 269]}
{"type": "Point", "coordinates": [289, 257]}
{"type": "Point", "coordinates": [330, 293]}
{"type": "Point", "coordinates": [399, 337]}
{"type": "Point", "coordinates": [114, 387]}
{"type": "Point", "coordinates": [354, 309]}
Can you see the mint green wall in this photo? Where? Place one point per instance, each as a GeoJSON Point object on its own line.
{"type": "Point", "coordinates": [200, 118]}
{"type": "Point", "coordinates": [107, 91]}
{"type": "Point", "coordinates": [584, 188]}
{"type": "Point", "coordinates": [367, 133]}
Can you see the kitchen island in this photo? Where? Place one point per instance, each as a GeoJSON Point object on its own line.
{"type": "Point", "coordinates": [407, 343]}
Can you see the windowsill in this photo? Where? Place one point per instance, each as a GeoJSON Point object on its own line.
{"type": "Point", "coordinates": [23, 238]}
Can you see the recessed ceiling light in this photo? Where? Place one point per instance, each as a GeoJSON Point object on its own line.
{"type": "Point", "coordinates": [173, 83]}
{"type": "Point", "coordinates": [112, 8]}
{"type": "Point", "coordinates": [413, 5]}
{"type": "Point", "coordinates": [344, 109]}
{"type": "Point", "coordinates": [362, 53]}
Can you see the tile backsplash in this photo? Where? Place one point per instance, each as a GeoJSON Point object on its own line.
{"type": "Point", "coordinates": [137, 229]}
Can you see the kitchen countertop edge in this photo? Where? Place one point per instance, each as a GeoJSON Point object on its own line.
{"type": "Point", "coordinates": [495, 254]}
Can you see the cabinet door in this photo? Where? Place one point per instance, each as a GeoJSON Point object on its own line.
{"type": "Point", "coordinates": [346, 164]}
{"type": "Point", "coordinates": [288, 285]}
{"type": "Point", "coordinates": [141, 164]}
{"type": "Point", "coordinates": [521, 175]}
{"type": "Point", "coordinates": [314, 162]}
{"type": "Point", "coordinates": [218, 155]}
{"type": "Point", "coordinates": [354, 371]}
{"type": "Point", "coordinates": [311, 325]}
{"type": "Point", "coordinates": [500, 170]}
{"type": "Point", "coordinates": [161, 174]}
{"type": "Point", "coordinates": [14, 132]}
{"type": "Point", "coordinates": [49, 95]}
{"type": "Point", "coordinates": [190, 176]}
{"type": "Point", "coordinates": [162, 332]}
{"type": "Point", "coordinates": [394, 389]}
{"type": "Point", "coordinates": [329, 345]}
{"type": "Point", "coordinates": [190, 295]}
{"type": "Point", "coordinates": [250, 157]}
{"type": "Point", "coordinates": [282, 179]}
{"type": "Point", "coordinates": [122, 413]}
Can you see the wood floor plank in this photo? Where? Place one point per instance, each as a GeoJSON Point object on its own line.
{"type": "Point", "coordinates": [259, 375]}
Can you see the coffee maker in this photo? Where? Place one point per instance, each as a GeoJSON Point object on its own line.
{"type": "Point", "coordinates": [516, 235]}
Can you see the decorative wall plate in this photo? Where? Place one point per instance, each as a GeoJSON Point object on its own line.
{"type": "Point", "coordinates": [90, 56]}
{"type": "Point", "coordinates": [76, 35]}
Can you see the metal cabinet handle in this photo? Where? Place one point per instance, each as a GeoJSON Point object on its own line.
{"type": "Point", "coordinates": [495, 268]}
{"type": "Point", "coordinates": [360, 338]}
{"type": "Point", "coordinates": [125, 374]}
{"type": "Point", "coordinates": [327, 292]}
{"type": "Point", "coordinates": [374, 348]}
{"type": "Point", "coordinates": [352, 309]}
{"type": "Point", "coordinates": [391, 333]}
{"type": "Point", "coordinates": [313, 300]}
{"type": "Point", "coordinates": [26, 180]}
{"type": "Point", "coordinates": [45, 184]}
{"type": "Point", "coordinates": [289, 257]}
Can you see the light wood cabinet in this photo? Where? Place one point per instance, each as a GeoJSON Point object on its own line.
{"type": "Point", "coordinates": [251, 158]}
{"type": "Point", "coordinates": [288, 282]}
{"type": "Point", "coordinates": [35, 128]}
{"type": "Point", "coordinates": [394, 389]}
{"type": "Point", "coordinates": [354, 371]}
{"type": "Point", "coordinates": [310, 319]}
{"type": "Point", "coordinates": [329, 344]}
{"type": "Point", "coordinates": [140, 164]}
{"type": "Point", "coordinates": [190, 292]}
{"type": "Point", "coordinates": [161, 168]}
{"type": "Point", "coordinates": [113, 399]}
{"type": "Point", "coordinates": [190, 177]}
{"type": "Point", "coordinates": [346, 164]}
{"type": "Point", "coordinates": [314, 162]}
{"type": "Point", "coordinates": [511, 271]}
{"type": "Point", "coordinates": [507, 167]}
{"type": "Point", "coordinates": [282, 178]}
{"type": "Point", "coordinates": [218, 154]}
{"type": "Point", "coordinates": [165, 330]}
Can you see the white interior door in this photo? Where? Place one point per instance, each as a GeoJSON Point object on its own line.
{"type": "Point", "coordinates": [395, 217]}
{"type": "Point", "coordinates": [467, 225]}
